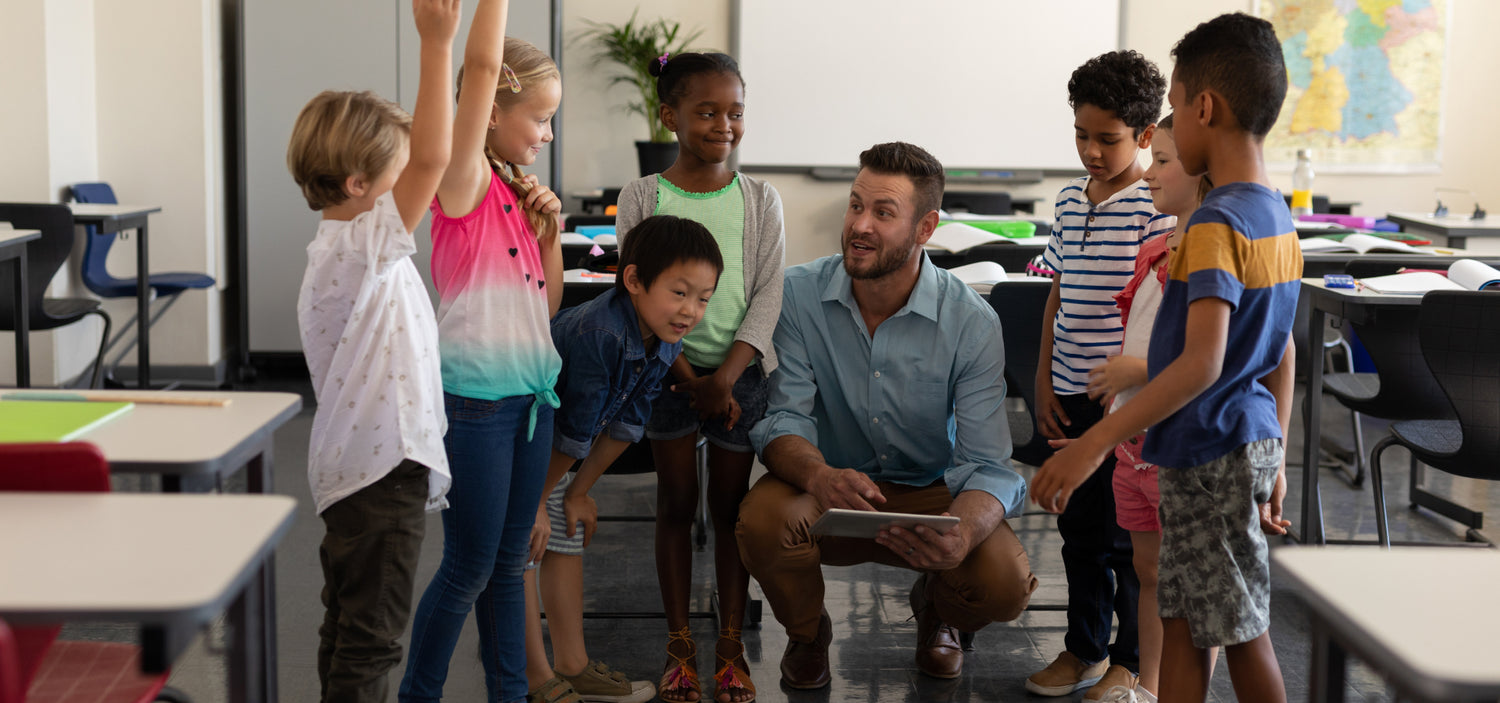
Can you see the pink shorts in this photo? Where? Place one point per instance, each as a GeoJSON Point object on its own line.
{"type": "Point", "coordinates": [1137, 497]}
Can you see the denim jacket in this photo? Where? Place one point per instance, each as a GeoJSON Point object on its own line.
{"type": "Point", "coordinates": [608, 379]}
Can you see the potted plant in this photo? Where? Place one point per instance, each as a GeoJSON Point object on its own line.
{"type": "Point", "coordinates": [630, 47]}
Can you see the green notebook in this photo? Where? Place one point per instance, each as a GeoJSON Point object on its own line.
{"type": "Point", "coordinates": [1010, 229]}
{"type": "Point", "coordinates": [54, 421]}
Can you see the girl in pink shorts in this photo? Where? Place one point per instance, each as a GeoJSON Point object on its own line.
{"type": "Point", "coordinates": [1137, 499]}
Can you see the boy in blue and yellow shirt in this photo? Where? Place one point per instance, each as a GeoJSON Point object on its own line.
{"type": "Point", "coordinates": [1221, 372]}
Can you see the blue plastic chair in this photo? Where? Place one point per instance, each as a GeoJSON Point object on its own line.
{"type": "Point", "coordinates": [166, 286]}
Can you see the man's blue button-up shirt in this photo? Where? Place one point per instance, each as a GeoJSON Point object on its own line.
{"type": "Point", "coordinates": [922, 399]}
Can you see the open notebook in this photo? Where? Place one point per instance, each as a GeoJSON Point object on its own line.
{"type": "Point", "coordinates": [1360, 243]}
{"type": "Point", "coordinates": [1464, 274]}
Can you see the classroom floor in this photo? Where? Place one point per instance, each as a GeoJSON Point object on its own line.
{"type": "Point", "coordinates": [874, 635]}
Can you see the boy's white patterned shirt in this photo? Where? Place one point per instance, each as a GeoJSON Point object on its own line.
{"type": "Point", "coordinates": [370, 339]}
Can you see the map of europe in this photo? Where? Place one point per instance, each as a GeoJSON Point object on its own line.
{"type": "Point", "coordinates": [1365, 81]}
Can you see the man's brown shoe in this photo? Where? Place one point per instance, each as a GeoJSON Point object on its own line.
{"type": "Point", "coordinates": [805, 664]}
{"type": "Point", "coordinates": [939, 654]}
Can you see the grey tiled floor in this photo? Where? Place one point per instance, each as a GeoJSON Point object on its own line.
{"type": "Point", "coordinates": [873, 635]}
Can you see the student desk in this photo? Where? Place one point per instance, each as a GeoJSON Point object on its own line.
{"type": "Point", "coordinates": [193, 440]}
{"type": "Point", "coordinates": [1424, 618]}
{"type": "Point", "coordinates": [116, 218]}
{"type": "Point", "coordinates": [1011, 257]}
{"type": "Point", "coordinates": [189, 440]}
{"type": "Point", "coordinates": [1357, 305]}
{"type": "Point", "coordinates": [1456, 230]}
{"type": "Point", "coordinates": [171, 563]}
{"type": "Point", "coordinates": [13, 249]}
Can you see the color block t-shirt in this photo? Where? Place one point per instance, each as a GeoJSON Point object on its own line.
{"type": "Point", "coordinates": [493, 323]}
{"type": "Point", "coordinates": [1240, 247]}
{"type": "Point", "coordinates": [1092, 249]}
{"type": "Point", "coordinates": [723, 213]}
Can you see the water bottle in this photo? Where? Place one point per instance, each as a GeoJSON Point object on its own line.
{"type": "Point", "coordinates": [1302, 183]}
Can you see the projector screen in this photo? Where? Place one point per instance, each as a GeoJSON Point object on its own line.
{"type": "Point", "coordinates": [982, 84]}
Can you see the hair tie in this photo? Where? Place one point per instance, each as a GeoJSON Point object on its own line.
{"type": "Point", "coordinates": [662, 60]}
{"type": "Point", "coordinates": [510, 77]}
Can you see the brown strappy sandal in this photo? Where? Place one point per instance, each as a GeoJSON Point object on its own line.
{"type": "Point", "coordinates": [732, 676]}
{"type": "Point", "coordinates": [681, 677]}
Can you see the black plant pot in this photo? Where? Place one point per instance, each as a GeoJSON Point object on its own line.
{"type": "Point", "coordinates": [655, 157]}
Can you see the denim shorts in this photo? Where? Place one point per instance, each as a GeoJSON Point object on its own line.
{"type": "Point", "coordinates": [673, 417]}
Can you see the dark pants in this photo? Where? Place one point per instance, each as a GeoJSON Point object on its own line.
{"type": "Point", "coordinates": [369, 557]}
{"type": "Point", "coordinates": [1097, 557]}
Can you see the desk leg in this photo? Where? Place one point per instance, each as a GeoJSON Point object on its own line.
{"type": "Point", "coordinates": [1312, 428]}
{"type": "Point", "coordinates": [143, 308]}
{"type": "Point", "coordinates": [23, 323]}
{"type": "Point", "coordinates": [1329, 665]}
{"type": "Point", "coordinates": [258, 480]}
{"type": "Point", "coordinates": [249, 678]}
{"type": "Point", "coordinates": [1457, 242]}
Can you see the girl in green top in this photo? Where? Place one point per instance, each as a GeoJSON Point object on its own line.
{"type": "Point", "coordinates": [719, 382]}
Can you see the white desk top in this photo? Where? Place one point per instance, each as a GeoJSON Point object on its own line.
{"type": "Point", "coordinates": [1360, 295]}
{"type": "Point", "coordinates": [103, 210]}
{"type": "Point", "coordinates": [16, 236]}
{"type": "Point", "coordinates": [186, 439]}
{"type": "Point", "coordinates": [1425, 613]}
{"type": "Point", "coordinates": [1451, 222]}
{"type": "Point", "coordinates": [165, 559]}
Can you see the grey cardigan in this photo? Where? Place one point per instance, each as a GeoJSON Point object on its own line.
{"type": "Point", "coordinates": [764, 257]}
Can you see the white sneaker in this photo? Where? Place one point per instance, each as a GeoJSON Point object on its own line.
{"type": "Point", "coordinates": [1119, 694]}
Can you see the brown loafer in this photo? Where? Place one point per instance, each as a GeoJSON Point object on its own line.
{"type": "Point", "coordinates": [939, 653]}
{"type": "Point", "coordinates": [805, 664]}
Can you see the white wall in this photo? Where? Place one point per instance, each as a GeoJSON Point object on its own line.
{"type": "Point", "coordinates": [599, 152]}
{"type": "Point", "coordinates": [127, 93]}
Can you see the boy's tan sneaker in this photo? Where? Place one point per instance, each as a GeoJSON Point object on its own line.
{"type": "Point", "coordinates": [1116, 676]}
{"type": "Point", "coordinates": [1065, 675]}
{"type": "Point", "coordinates": [598, 683]}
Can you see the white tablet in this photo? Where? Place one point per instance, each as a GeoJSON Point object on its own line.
{"type": "Point", "coordinates": [838, 522]}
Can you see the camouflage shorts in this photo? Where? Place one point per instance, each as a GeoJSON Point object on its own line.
{"type": "Point", "coordinates": [1214, 568]}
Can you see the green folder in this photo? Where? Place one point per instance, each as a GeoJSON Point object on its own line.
{"type": "Point", "coordinates": [54, 421]}
{"type": "Point", "coordinates": [1010, 229]}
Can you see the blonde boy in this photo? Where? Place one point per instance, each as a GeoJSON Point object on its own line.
{"type": "Point", "coordinates": [376, 460]}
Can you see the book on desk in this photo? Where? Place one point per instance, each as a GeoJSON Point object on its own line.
{"type": "Point", "coordinates": [1358, 243]}
{"type": "Point", "coordinates": [1464, 274]}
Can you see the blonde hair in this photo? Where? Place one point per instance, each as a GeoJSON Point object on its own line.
{"type": "Point", "coordinates": [1204, 183]}
{"type": "Point", "coordinates": [530, 66]}
{"type": "Point", "coordinates": [339, 134]}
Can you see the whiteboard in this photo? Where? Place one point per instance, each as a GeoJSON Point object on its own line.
{"type": "Point", "coordinates": [979, 83]}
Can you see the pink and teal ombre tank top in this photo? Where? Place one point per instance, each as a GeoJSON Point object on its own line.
{"type": "Point", "coordinates": [494, 335]}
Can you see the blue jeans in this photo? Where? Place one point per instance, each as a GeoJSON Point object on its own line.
{"type": "Point", "coordinates": [497, 484]}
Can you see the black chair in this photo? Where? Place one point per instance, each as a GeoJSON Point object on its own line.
{"type": "Point", "coordinates": [1020, 306]}
{"type": "Point", "coordinates": [978, 202]}
{"type": "Point", "coordinates": [573, 222]}
{"type": "Point", "coordinates": [1460, 340]}
{"type": "Point", "coordinates": [44, 258]}
{"type": "Point", "coordinates": [1401, 388]}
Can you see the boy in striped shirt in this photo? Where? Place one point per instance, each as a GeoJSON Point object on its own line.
{"type": "Point", "coordinates": [1221, 367]}
{"type": "Point", "coordinates": [1100, 222]}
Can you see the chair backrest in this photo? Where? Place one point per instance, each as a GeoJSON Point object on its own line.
{"type": "Point", "coordinates": [1021, 306]}
{"type": "Point", "coordinates": [977, 202]}
{"type": "Point", "coordinates": [1408, 390]}
{"type": "Point", "coordinates": [67, 467]}
{"type": "Point", "coordinates": [44, 257]}
{"type": "Point", "coordinates": [96, 246]}
{"type": "Point", "coordinates": [1460, 333]}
